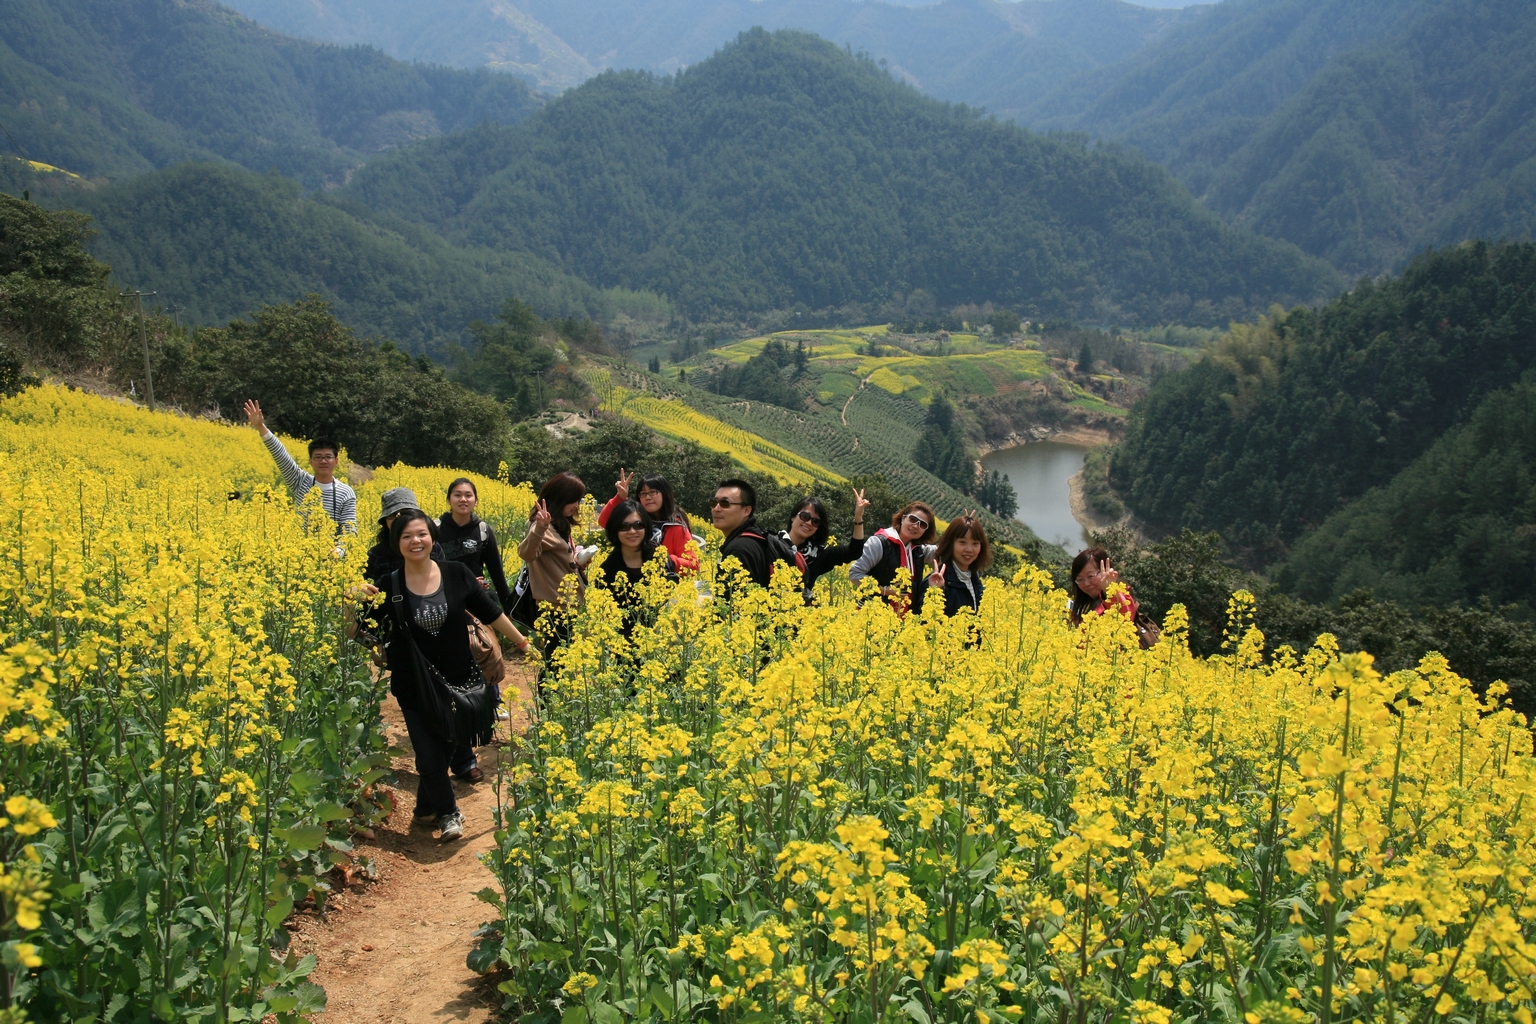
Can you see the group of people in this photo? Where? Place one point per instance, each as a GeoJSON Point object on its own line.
{"type": "Point", "coordinates": [437, 588]}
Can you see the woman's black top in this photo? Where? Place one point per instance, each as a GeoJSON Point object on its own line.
{"type": "Point", "coordinates": [958, 594]}
{"type": "Point", "coordinates": [474, 546]}
{"type": "Point", "coordinates": [446, 646]}
{"type": "Point", "coordinates": [821, 560]}
{"type": "Point", "coordinates": [624, 580]}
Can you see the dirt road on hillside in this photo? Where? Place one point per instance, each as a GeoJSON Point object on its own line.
{"type": "Point", "coordinates": [392, 951]}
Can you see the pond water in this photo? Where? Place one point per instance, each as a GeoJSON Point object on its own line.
{"type": "Point", "coordinates": [1039, 473]}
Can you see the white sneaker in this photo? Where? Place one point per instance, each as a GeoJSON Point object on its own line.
{"type": "Point", "coordinates": [453, 826]}
{"type": "Point", "coordinates": [501, 715]}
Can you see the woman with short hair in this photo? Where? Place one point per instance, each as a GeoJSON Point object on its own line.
{"type": "Point", "coordinates": [962, 555]}
{"type": "Point", "coordinates": [904, 545]}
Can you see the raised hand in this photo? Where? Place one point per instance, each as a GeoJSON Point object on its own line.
{"type": "Point", "coordinates": [1109, 574]}
{"type": "Point", "coordinates": [860, 503]}
{"type": "Point", "coordinates": [254, 417]}
{"type": "Point", "coordinates": [621, 486]}
{"type": "Point", "coordinates": [541, 516]}
{"type": "Point", "coordinates": [936, 578]}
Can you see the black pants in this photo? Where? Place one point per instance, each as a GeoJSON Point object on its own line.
{"type": "Point", "coordinates": [434, 790]}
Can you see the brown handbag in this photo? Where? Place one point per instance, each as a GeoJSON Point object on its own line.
{"type": "Point", "coordinates": [1147, 630]}
{"type": "Point", "coordinates": [486, 647]}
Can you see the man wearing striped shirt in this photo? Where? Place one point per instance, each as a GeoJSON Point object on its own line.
{"type": "Point", "coordinates": [338, 500]}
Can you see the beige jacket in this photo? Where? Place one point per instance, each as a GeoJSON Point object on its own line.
{"type": "Point", "coordinates": [550, 558]}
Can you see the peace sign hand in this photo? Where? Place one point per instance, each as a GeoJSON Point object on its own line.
{"type": "Point", "coordinates": [860, 503]}
{"type": "Point", "coordinates": [621, 486]}
{"type": "Point", "coordinates": [541, 517]}
{"type": "Point", "coordinates": [936, 578]}
{"type": "Point", "coordinates": [1109, 574]}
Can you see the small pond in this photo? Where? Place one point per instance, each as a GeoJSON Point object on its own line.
{"type": "Point", "coordinates": [1039, 473]}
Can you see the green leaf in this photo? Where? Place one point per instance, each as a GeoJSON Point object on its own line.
{"type": "Point", "coordinates": [489, 895]}
{"type": "Point", "coordinates": [606, 1013]}
{"type": "Point", "coordinates": [301, 837]}
{"type": "Point", "coordinates": [914, 1009]}
{"type": "Point", "coordinates": [279, 911]}
{"type": "Point", "coordinates": [303, 782]}
{"type": "Point", "coordinates": [330, 811]}
{"type": "Point", "coordinates": [574, 1015]}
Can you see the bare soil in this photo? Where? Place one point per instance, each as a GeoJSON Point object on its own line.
{"type": "Point", "coordinates": [392, 951]}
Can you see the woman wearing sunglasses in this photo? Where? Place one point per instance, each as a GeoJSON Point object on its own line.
{"type": "Point", "coordinates": [630, 531]}
{"type": "Point", "coordinates": [807, 535]}
{"type": "Point", "coordinates": [904, 545]}
{"type": "Point", "coordinates": [669, 523]}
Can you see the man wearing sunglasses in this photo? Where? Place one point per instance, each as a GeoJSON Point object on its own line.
{"type": "Point", "coordinates": [731, 510]}
{"type": "Point", "coordinates": [904, 545]}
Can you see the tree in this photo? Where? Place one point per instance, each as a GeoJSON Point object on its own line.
{"type": "Point", "coordinates": [655, 364]}
{"type": "Point", "coordinates": [800, 357]}
{"type": "Point", "coordinates": [313, 376]}
{"type": "Point", "coordinates": [941, 447]}
{"type": "Point", "coordinates": [1005, 322]}
{"type": "Point", "coordinates": [511, 361]}
{"type": "Point", "coordinates": [996, 494]}
{"type": "Point", "coordinates": [1085, 359]}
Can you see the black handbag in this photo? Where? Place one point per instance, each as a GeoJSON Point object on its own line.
{"type": "Point", "coordinates": [462, 713]}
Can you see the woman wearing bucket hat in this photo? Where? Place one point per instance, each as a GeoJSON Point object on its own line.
{"type": "Point", "coordinates": [382, 558]}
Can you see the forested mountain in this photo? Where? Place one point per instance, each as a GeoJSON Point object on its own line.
{"type": "Point", "coordinates": [785, 171]}
{"type": "Point", "coordinates": [1285, 422]}
{"type": "Point", "coordinates": [1000, 54]}
{"type": "Point", "coordinates": [112, 88]}
{"type": "Point", "coordinates": [1361, 130]}
{"type": "Point", "coordinates": [220, 241]}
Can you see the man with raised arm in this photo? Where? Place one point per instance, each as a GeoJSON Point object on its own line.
{"type": "Point", "coordinates": [338, 499]}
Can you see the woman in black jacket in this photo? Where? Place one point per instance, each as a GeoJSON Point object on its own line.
{"type": "Point", "coordinates": [436, 598]}
{"type": "Point", "coordinates": [807, 536]}
{"type": "Point", "coordinates": [630, 532]}
{"type": "Point", "coordinates": [469, 540]}
{"type": "Point", "coordinates": [962, 555]}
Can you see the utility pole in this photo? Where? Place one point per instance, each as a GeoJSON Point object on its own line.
{"type": "Point", "coordinates": [175, 312]}
{"type": "Point", "coordinates": [149, 378]}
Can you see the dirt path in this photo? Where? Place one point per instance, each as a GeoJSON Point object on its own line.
{"type": "Point", "coordinates": [392, 951]}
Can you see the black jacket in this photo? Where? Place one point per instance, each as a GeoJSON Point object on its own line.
{"type": "Point", "coordinates": [751, 551]}
{"type": "Point", "coordinates": [820, 561]}
{"type": "Point", "coordinates": [474, 546]}
{"type": "Point", "coordinates": [449, 650]}
{"type": "Point", "coordinates": [622, 580]}
{"type": "Point", "coordinates": [884, 571]}
{"type": "Point", "coordinates": [957, 595]}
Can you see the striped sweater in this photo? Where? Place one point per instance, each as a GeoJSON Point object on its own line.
{"type": "Point", "coordinates": [338, 499]}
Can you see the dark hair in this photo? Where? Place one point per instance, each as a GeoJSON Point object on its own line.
{"type": "Point", "coordinates": [822, 529]}
{"type": "Point", "coordinates": [464, 480]}
{"type": "Point", "coordinates": [403, 520]}
{"type": "Point", "coordinates": [323, 442]}
{"type": "Point", "coordinates": [656, 482]}
{"type": "Point", "coordinates": [748, 492]}
{"type": "Point", "coordinates": [616, 517]}
{"type": "Point", "coordinates": [916, 506]}
{"type": "Point", "coordinates": [1080, 600]}
{"type": "Point", "coordinates": [959, 527]}
{"type": "Point", "coordinates": [559, 491]}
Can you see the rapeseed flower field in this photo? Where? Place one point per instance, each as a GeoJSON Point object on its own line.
{"type": "Point", "coordinates": [774, 812]}
{"type": "Point", "coordinates": [186, 740]}
{"type": "Point", "coordinates": [749, 811]}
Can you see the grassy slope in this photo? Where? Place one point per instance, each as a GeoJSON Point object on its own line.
{"type": "Point", "coordinates": [883, 420]}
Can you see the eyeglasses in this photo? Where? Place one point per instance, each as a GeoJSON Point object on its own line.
{"type": "Point", "coordinates": [323, 457]}
{"type": "Point", "coordinates": [630, 526]}
{"type": "Point", "coordinates": [917, 520]}
{"type": "Point", "coordinates": [806, 517]}
{"type": "Point", "coordinates": [723, 503]}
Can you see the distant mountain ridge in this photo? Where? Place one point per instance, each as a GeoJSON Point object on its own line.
{"type": "Point", "coordinates": [113, 88]}
{"type": "Point", "coordinates": [1003, 54]}
{"type": "Point", "coordinates": [785, 173]}
{"type": "Point", "coordinates": [1362, 130]}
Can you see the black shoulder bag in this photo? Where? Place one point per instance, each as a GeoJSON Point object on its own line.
{"type": "Point", "coordinates": [462, 713]}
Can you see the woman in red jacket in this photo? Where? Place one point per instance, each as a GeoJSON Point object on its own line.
{"type": "Point", "coordinates": [670, 523]}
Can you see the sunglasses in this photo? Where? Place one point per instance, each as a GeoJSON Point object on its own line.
{"type": "Point", "coordinates": [631, 526]}
{"type": "Point", "coordinates": [917, 520]}
{"type": "Point", "coordinates": [723, 503]}
{"type": "Point", "coordinates": [806, 517]}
